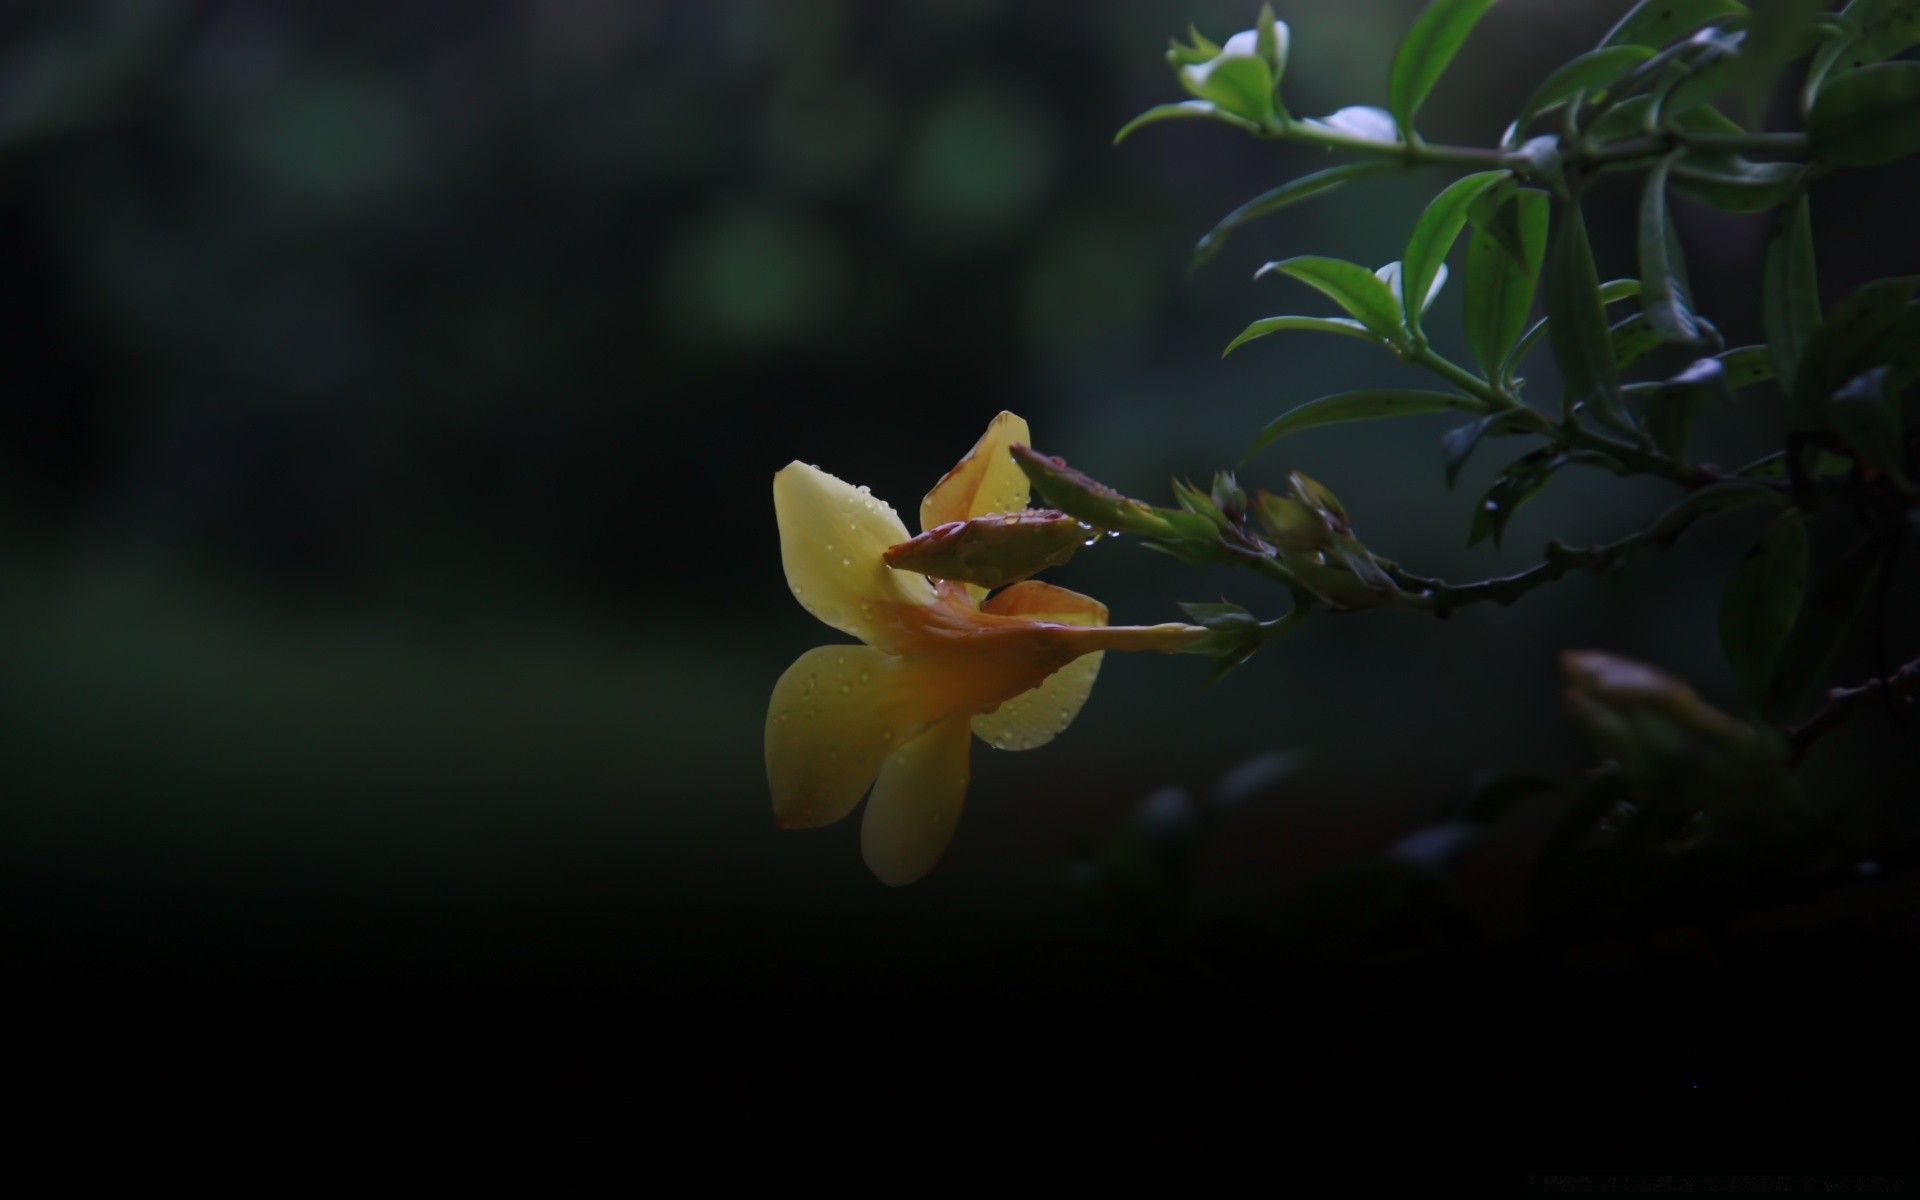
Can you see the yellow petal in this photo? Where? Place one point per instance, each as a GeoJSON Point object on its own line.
{"type": "Point", "coordinates": [915, 804]}
{"type": "Point", "coordinates": [987, 480]}
{"type": "Point", "coordinates": [836, 714]}
{"type": "Point", "coordinates": [831, 539]}
{"type": "Point", "coordinates": [1034, 718]}
{"type": "Point", "coordinates": [1038, 601]}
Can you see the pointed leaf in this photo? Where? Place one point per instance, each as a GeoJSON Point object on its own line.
{"type": "Point", "coordinates": [1869, 116]}
{"type": "Point", "coordinates": [1366, 297]}
{"type": "Point", "coordinates": [1424, 53]}
{"type": "Point", "coordinates": [1779, 32]}
{"type": "Point", "coordinates": [1291, 192]}
{"type": "Point", "coordinates": [1885, 28]}
{"type": "Point", "coordinates": [1434, 234]}
{"type": "Point", "coordinates": [1181, 110]}
{"type": "Point", "coordinates": [1344, 326]}
{"type": "Point", "coordinates": [1578, 329]}
{"type": "Point", "coordinates": [1746, 366]}
{"type": "Point", "coordinates": [1736, 185]}
{"type": "Point", "coordinates": [1591, 72]}
{"type": "Point", "coordinates": [1519, 482]}
{"type": "Point", "coordinates": [1458, 443]}
{"type": "Point", "coordinates": [1360, 406]}
{"type": "Point", "coordinates": [1665, 297]}
{"type": "Point", "coordinates": [1610, 292]}
{"type": "Point", "coordinates": [1239, 84]}
{"type": "Point", "coordinates": [1657, 22]}
{"type": "Point", "coordinates": [1789, 292]}
{"type": "Point", "coordinates": [1672, 405]}
{"type": "Point", "coordinates": [1499, 286]}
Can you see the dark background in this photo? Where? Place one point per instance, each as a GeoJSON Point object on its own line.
{"type": "Point", "coordinates": [391, 593]}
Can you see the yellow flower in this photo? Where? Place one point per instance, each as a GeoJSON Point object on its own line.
{"type": "Point", "coordinates": [941, 660]}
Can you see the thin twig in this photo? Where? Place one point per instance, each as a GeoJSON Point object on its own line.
{"type": "Point", "coordinates": [1898, 688]}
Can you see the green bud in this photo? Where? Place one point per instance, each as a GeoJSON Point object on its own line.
{"type": "Point", "coordinates": [1315, 496]}
{"type": "Point", "coordinates": [993, 550]}
{"type": "Point", "coordinates": [1290, 524]}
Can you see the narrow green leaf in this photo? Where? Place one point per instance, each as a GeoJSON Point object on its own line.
{"type": "Point", "coordinates": [1458, 443]}
{"type": "Point", "coordinates": [1361, 406]}
{"type": "Point", "coordinates": [1436, 36]}
{"type": "Point", "coordinates": [1779, 32]}
{"type": "Point", "coordinates": [1434, 234]}
{"type": "Point", "coordinates": [1578, 323]}
{"type": "Point", "coordinates": [1761, 602]}
{"type": "Point", "coordinates": [1344, 326]}
{"type": "Point", "coordinates": [1789, 291]}
{"type": "Point", "coordinates": [1181, 110]}
{"type": "Point", "coordinates": [1519, 481]}
{"type": "Point", "coordinates": [1499, 287]}
{"type": "Point", "coordinates": [1591, 72]}
{"type": "Point", "coordinates": [1826, 615]}
{"type": "Point", "coordinates": [1869, 116]}
{"type": "Point", "coordinates": [1657, 22]}
{"type": "Point", "coordinates": [1736, 185]}
{"type": "Point", "coordinates": [1666, 299]}
{"type": "Point", "coordinates": [1673, 404]}
{"type": "Point", "coordinates": [1611, 291]}
{"type": "Point", "coordinates": [1291, 192]}
{"type": "Point", "coordinates": [1366, 297]}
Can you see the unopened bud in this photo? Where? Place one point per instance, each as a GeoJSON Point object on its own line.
{"type": "Point", "coordinates": [992, 550]}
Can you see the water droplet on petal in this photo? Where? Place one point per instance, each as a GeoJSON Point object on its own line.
{"type": "Point", "coordinates": [864, 677]}
{"type": "Point", "coordinates": [846, 689]}
{"type": "Point", "coordinates": [846, 561]}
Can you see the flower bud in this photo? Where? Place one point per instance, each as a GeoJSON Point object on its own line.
{"type": "Point", "coordinates": [992, 550]}
{"type": "Point", "coordinates": [1087, 499]}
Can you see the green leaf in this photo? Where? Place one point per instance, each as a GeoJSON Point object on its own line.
{"type": "Point", "coordinates": [1826, 616]}
{"type": "Point", "coordinates": [1761, 602]}
{"type": "Point", "coordinates": [1434, 234]}
{"type": "Point", "coordinates": [1291, 192]}
{"type": "Point", "coordinates": [1869, 116]}
{"type": "Point", "coordinates": [1666, 299]}
{"type": "Point", "coordinates": [1519, 481]}
{"type": "Point", "coordinates": [1578, 323]}
{"type": "Point", "coordinates": [1885, 28]}
{"type": "Point", "coordinates": [1789, 291]}
{"type": "Point", "coordinates": [1345, 326]}
{"type": "Point", "coordinates": [1610, 292]}
{"type": "Point", "coordinates": [1184, 109]}
{"type": "Point", "coordinates": [1458, 443]}
{"type": "Point", "coordinates": [1271, 42]}
{"type": "Point", "coordinates": [1366, 297]}
{"type": "Point", "coordinates": [1360, 406]}
{"type": "Point", "coordinates": [1591, 72]}
{"type": "Point", "coordinates": [1631, 340]}
{"type": "Point", "coordinates": [1868, 328]}
{"type": "Point", "coordinates": [1657, 22]}
{"type": "Point", "coordinates": [1436, 36]}
{"type": "Point", "coordinates": [1240, 84]}
{"type": "Point", "coordinates": [1499, 286]}
{"type": "Point", "coordinates": [1736, 185]}
{"type": "Point", "coordinates": [1868, 423]}
{"type": "Point", "coordinates": [1673, 404]}
{"type": "Point", "coordinates": [1746, 366]}
{"type": "Point", "coordinates": [1779, 32]}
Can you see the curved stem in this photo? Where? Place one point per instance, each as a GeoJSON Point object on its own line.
{"type": "Point", "coordinates": [1896, 688]}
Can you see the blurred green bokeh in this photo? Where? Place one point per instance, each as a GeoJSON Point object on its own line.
{"type": "Point", "coordinates": [391, 395]}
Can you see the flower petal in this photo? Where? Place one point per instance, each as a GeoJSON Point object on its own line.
{"type": "Point", "coordinates": [836, 714]}
{"type": "Point", "coordinates": [1038, 601]}
{"type": "Point", "coordinates": [987, 480]}
{"type": "Point", "coordinates": [1034, 718]}
{"type": "Point", "coordinates": [916, 803]}
{"type": "Point", "coordinates": [831, 538]}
